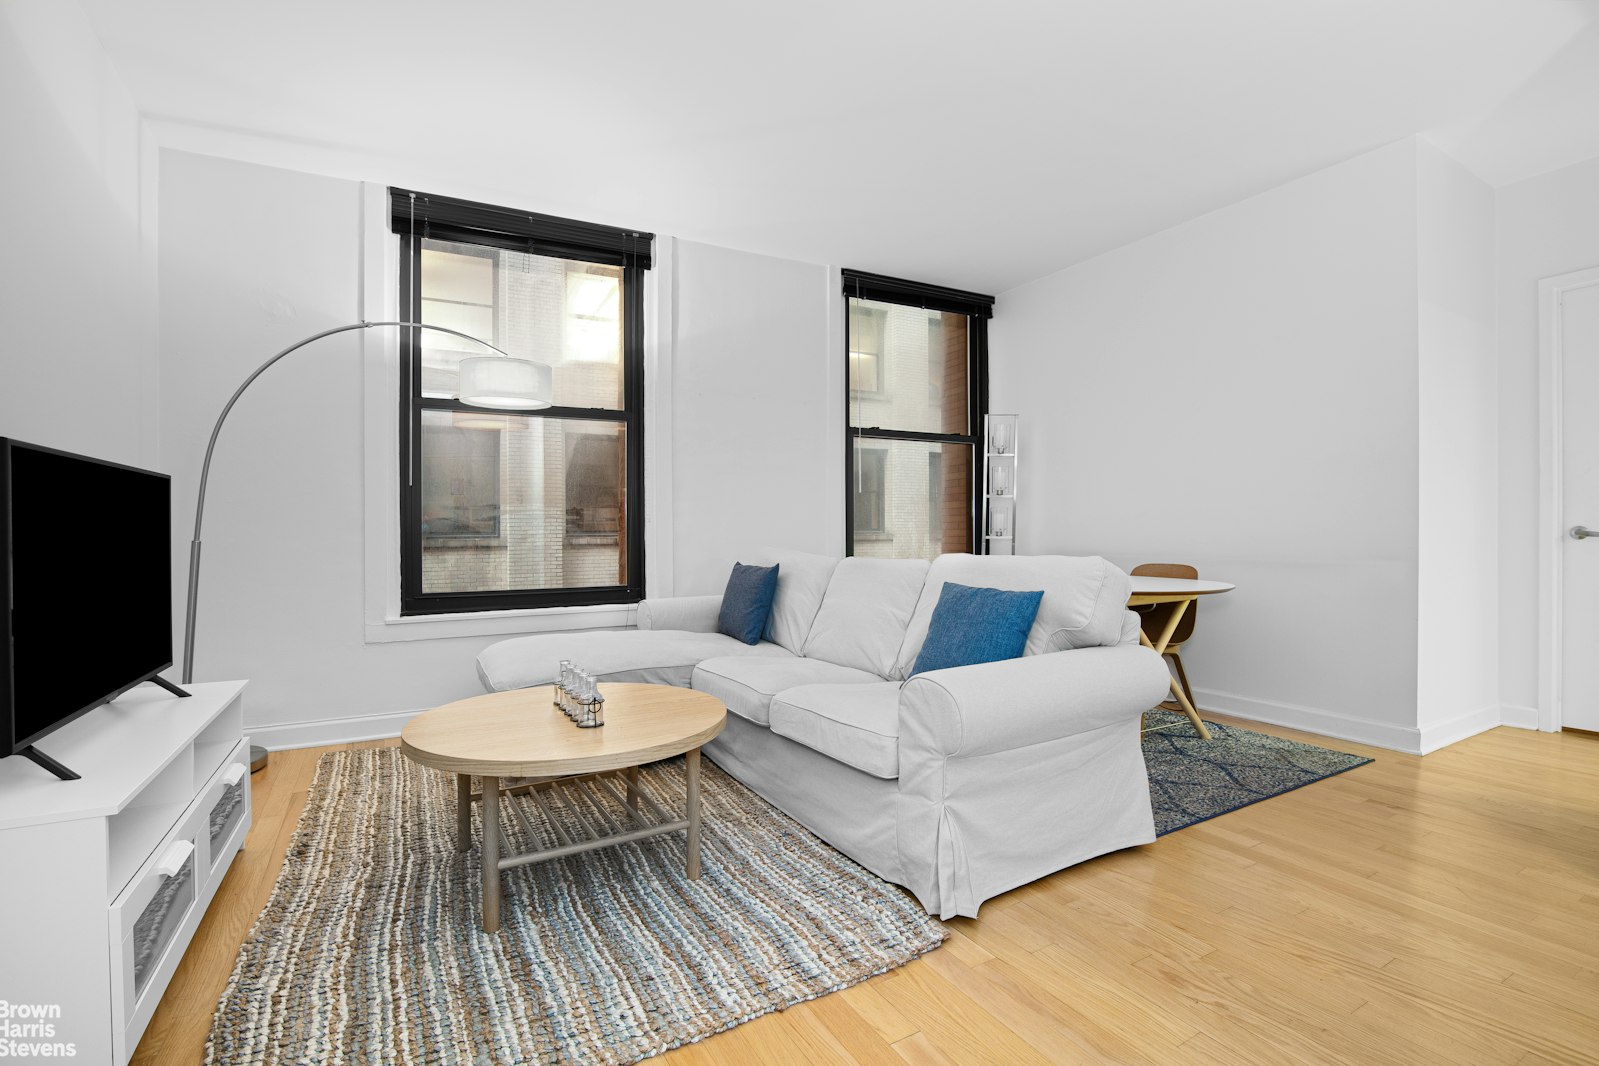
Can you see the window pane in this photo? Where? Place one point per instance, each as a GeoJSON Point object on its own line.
{"type": "Point", "coordinates": [912, 499]}
{"type": "Point", "coordinates": [511, 502]}
{"type": "Point", "coordinates": [563, 312]}
{"type": "Point", "coordinates": [460, 481]}
{"type": "Point", "coordinates": [871, 474]}
{"type": "Point", "coordinates": [865, 346]}
{"type": "Point", "coordinates": [907, 368]}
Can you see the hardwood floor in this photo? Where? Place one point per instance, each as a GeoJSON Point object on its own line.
{"type": "Point", "coordinates": [1437, 910]}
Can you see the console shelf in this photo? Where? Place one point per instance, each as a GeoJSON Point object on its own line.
{"type": "Point", "coordinates": [107, 877]}
{"type": "Point", "coordinates": [999, 484]}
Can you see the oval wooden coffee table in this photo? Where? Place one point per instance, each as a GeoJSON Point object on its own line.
{"type": "Point", "coordinates": [521, 734]}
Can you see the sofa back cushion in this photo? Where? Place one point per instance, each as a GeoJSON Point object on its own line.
{"type": "Point", "coordinates": [801, 583]}
{"type": "Point", "coordinates": [864, 616]}
{"type": "Point", "coordinates": [1084, 600]}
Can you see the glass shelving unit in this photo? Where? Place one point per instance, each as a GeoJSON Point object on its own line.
{"type": "Point", "coordinates": [999, 484]}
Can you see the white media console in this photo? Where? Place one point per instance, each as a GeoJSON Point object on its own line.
{"type": "Point", "coordinates": [104, 880]}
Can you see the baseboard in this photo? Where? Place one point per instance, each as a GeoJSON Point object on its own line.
{"type": "Point", "coordinates": [289, 735]}
{"type": "Point", "coordinates": [330, 730]}
{"type": "Point", "coordinates": [1442, 734]}
{"type": "Point", "coordinates": [1520, 717]}
{"type": "Point", "coordinates": [1312, 720]}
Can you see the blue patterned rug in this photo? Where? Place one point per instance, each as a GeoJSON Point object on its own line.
{"type": "Point", "coordinates": [1192, 780]}
{"type": "Point", "coordinates": [371, 951]}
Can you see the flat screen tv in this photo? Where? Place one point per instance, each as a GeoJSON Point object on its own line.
{"type": "Point", "coordinates": [87, 585]}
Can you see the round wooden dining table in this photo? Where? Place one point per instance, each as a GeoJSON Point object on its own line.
{"type": "Point", "coordinates": [1181, 591]}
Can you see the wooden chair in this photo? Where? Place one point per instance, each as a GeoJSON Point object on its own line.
{"type": "Point", "coordinates": [1154, 617]}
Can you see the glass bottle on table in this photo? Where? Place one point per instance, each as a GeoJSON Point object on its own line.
{"type": "Point", "coordinates": [561, 675]}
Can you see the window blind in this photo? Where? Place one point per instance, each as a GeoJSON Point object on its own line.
{"type": "Point", "coordinates": [446, 218]}
{"type": "Point", "coordinates": [866, 286]}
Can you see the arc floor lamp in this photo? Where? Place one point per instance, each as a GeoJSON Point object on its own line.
{"type": "Point", "coordinates": [501, 381]}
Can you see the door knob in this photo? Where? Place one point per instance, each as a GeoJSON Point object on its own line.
{"type": "Point", "coordinates": [1583, 532]}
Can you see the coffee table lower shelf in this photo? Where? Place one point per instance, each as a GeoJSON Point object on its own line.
{"type": "Point", "coordinates": [600, 829]}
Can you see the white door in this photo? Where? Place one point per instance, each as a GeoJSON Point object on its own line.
{"type": "Point", "coordinates": [1579, 336]}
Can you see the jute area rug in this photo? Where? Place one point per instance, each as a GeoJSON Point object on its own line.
{"type": "Point", "coordinates": [1193, 780]}
{"type": "Point", "coordinates": [371, 949]}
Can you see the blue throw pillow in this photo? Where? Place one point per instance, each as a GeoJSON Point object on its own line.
{"type": "Point", "coordinates": [976, 626]}
{"type": "Point", "coordinates": [747, 602]}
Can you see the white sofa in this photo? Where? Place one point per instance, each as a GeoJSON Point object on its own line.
{"type": "Point", "coordinates": [959, 784]}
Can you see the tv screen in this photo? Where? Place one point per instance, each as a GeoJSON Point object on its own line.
{"type": "Point", "coordinates": [88, 578]}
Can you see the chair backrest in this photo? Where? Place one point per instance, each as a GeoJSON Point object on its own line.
{"type": "Point", "coordinates": [1164, 570]}
{"type": "Point", "coordinates": [1154, 619]}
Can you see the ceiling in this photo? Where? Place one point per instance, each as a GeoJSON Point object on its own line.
{"type": "Point", "coordinates": [975, 145]}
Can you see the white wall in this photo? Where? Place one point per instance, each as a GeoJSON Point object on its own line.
{"type": "Point", "coordinates": [78, 367]}
{"type": "Point", "coordinates": [1545, 226]}
{"type": "Point", "coordinates": [1295, 337]}
{"type": "Point", "coordinates": [1458, 581]}
{"type": "Point", "coordinates": [757, 452]}
{"type": "Point", "coordinates": [1240, 393]}
{"type": "Point", "coordinates": [253, 258]}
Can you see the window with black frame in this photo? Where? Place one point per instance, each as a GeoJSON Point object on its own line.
{"type": "Point", "coordinates": [503, 509]}
{"type": "Point", "coordinates": [917, 372]}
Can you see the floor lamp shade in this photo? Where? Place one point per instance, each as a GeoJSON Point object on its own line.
{"type": "Point", "coordinates": [505, 384]}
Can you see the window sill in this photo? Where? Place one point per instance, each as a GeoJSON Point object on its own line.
{"type": "Point", "coordinates": [501, 623]}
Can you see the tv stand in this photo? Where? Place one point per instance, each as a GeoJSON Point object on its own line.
{"type": "Point", "coordinates": [31, 752]}
{"type": "Point", "coordinates": [105, 883]}
{"type": "Point", "coordinates": [169, 686]}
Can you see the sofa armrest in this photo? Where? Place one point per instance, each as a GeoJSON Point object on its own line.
{"type": "Point", "coordinates": [695, 614]}
{"type": "Point", "coordinates": [991, 707]}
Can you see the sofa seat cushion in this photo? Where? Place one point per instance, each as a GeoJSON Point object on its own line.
{"type": "Point", "coordinates": [746, 684]}
{"type": "Point", "coordinates": [651, 656]}
{"type": "Point", "coordinates": [856, 724]}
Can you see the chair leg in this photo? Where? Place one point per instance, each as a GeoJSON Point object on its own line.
{"type": "Point", "coordinates": [1182, 675]}
{"type": "Point", "coordinates": [1170, 704]}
